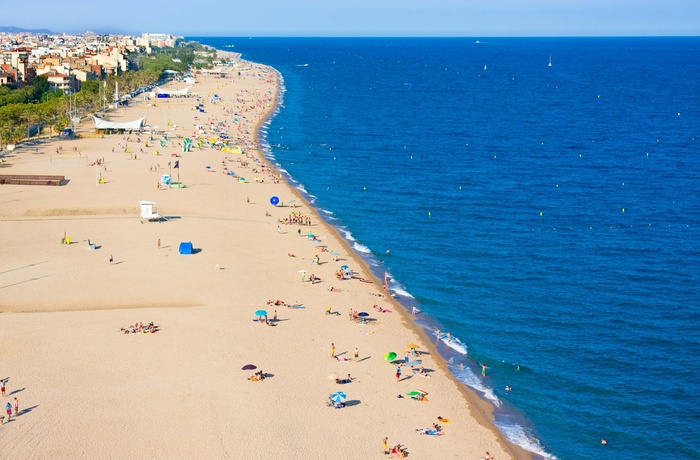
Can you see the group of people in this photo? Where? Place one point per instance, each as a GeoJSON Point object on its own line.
{"type": "Point", "coordinates": [295, 219]}
{"type": "Point", "coordinates": [8, 405]}
{"type": "Point", "coordinates": [136, 328]}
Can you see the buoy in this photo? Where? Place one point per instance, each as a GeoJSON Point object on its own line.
{"type": "Point", "coordinates": [540, 214]}
{"type": "Point", "coordinates": [429, 214]}
{"type": "Point", "coordinates": [364, 188]}
{"type": "Point", "coordinates": [494, 156]}
{"type": "Point", "coordinates": [679, 114]}
{"type": "Point", "coordinates": [623, 209]}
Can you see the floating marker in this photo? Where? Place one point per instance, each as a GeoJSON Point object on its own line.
{"type": "Point", "coordinates": [623, 209]}
{"type": "Point", "coordinates": [494, 156]}
{"type": "Point", "coordinates": [429, 214]}
{"type": "Point", "coordinates": [540, 214]}
{"type": "Point", "coordinates": [679, 114]}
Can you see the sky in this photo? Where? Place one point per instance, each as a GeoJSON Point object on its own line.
{"type": "Point", "coordinates": [364, 18]}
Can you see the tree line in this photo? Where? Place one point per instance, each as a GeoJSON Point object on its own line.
{"type": "Point", "coordinates": [32, 110]}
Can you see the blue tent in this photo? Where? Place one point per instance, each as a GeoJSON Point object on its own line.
{"type": "Point", "coordinates": [186, 247]}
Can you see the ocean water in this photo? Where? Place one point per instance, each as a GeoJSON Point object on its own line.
{"type": "Point", "coordinates": [547, 217]}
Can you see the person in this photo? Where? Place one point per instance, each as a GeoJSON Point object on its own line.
{"type": "Point", "coordinates": [413, 310]}
{"type": "Point", "coordinates": [8, 410]}
{"type": "Point", "coordinates": [3, 389]}
{"type": "Point", "coordinates": [274, 316]}
{"type": "Point", "coordinates": [461, 365]}
{"type": "Point", "coordinates": [111, 259]}
{"type": "Point", "coordinates": [16, 407]}
{"type": "Point", "coordinates": [398, 373]}
{"type": "Point", "coordinates": [384, 442]}
{"type": "Point", "coordinates": [357, 353]}
{"type": "Point", "coordinates": [279, 230]}
{"type": "Point", "coordinates": [332, 350]}
{"type": "Point", "coordinates": [158, 243]}
{"type": "Point", "coordinates": [328, 310]}
{"type": "Point", "coordinates": [483, 369]}
{"type": "Point", "coordinates": [508, 388]}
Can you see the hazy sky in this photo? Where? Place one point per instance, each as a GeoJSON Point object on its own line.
{"type": "Point", "coordinates": [468, 18]}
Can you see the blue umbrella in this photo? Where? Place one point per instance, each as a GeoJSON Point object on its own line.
{"type": "Point", "coordinates": [417, 362]}
{"type": "Point", "coordinates": [344, 267]}
{"type": "Point", "coordinates": [274, 200]}
{"type": "Point", "coordinates": [363, 314]}
{"type": "Point", "coordinates": [260, 313]}
{"type": "Point", "coordinates": [338, 397]}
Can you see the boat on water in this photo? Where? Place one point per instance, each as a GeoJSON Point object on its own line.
{"type": "Point", "coordinates": [550, 61]}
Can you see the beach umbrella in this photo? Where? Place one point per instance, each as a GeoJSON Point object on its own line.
{"type": "Point", "coordinates": [333, 376]}
{"type": "Point", "coordinates": [390, 356]}
{"type": "Point", "coordinates": [260, 313]}
{"type": "Point", "coordinates": [344, 267]}
{"type": "Point", "coordinates": [413, 393]}
{"type": "Point", "coordinates": [335, 254]}
{"type": "Point", "coordinates": [338, 397]}
{"type": "Point", "coordinates": [363, 314]}
{"type": "Point", "coordinates": [241, 179]}
{"type": "Point", "coordinates": [208, 167]}
{"type": "Point", "coordinates": [249, 367]}
{"type": "Point", "coordinates": [302, 271]}
{"type": "Point", "coordinates": [412, 345]}
{"type": "Point", "coordinates": [416, 362]}
{"type": "Point", "coordinates": [274, 200]}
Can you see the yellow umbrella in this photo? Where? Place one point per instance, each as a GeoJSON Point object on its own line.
{"type": "Point", "coordinates": [412, 345]}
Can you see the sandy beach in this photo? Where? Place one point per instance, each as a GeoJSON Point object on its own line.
{"type": "Point", "coordinates": [87, 389]}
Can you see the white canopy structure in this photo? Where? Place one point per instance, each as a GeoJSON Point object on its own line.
{"type": "Point", "coordinates": [101, 124]}
{"type": "Point", "coordinates": [177, 93]}
{"type": "Point", "coordinates": [148, 211]}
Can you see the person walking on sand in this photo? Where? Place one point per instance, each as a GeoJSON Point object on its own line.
{"type": "Point", "coordinates": [3, 389]}
{"type": "Point", "coordinates": [8, 411]}
{"type": "Point", "coordinates": [384, 442]}
{"type": "Point", "coordinates": [16, 407]}
{"type": "Point", "coordinates": [158, 243]}
{"type": "Point", "coordinates": [357, 353]}
{"type": "Point", "coordinates": [398, 373]}
{"type": "Point", "coordinates": [111, 259]}
{"type": "Point", "coordinates": [332, 350]}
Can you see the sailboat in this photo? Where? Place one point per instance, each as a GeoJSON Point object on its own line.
{"type": "Point", "coordinates": [550, 61]}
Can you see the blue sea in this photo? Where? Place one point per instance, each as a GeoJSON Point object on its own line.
{"type": "Point", "coordinates": [547, 217]}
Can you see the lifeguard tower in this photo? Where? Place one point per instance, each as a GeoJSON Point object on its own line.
{"type": "Point", "coordinates": [148, 211]}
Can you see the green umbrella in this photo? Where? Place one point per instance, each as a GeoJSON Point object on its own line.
{"type": "Point", "coordinates": [390, 356]}
{"type": "Point", "coordinates": [413, 393]}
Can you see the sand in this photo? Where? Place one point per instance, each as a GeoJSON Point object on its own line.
{"type": "Point", "coordinates": [87, 390]}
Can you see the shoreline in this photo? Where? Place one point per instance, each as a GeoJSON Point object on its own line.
{"type": "Point", "coordinates": [481, 409]}
{"type": "Point", "coordinates": [202, 315]}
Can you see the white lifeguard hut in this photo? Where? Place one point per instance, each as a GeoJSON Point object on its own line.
{"type": "Point", "coordinates": [148, 211]}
